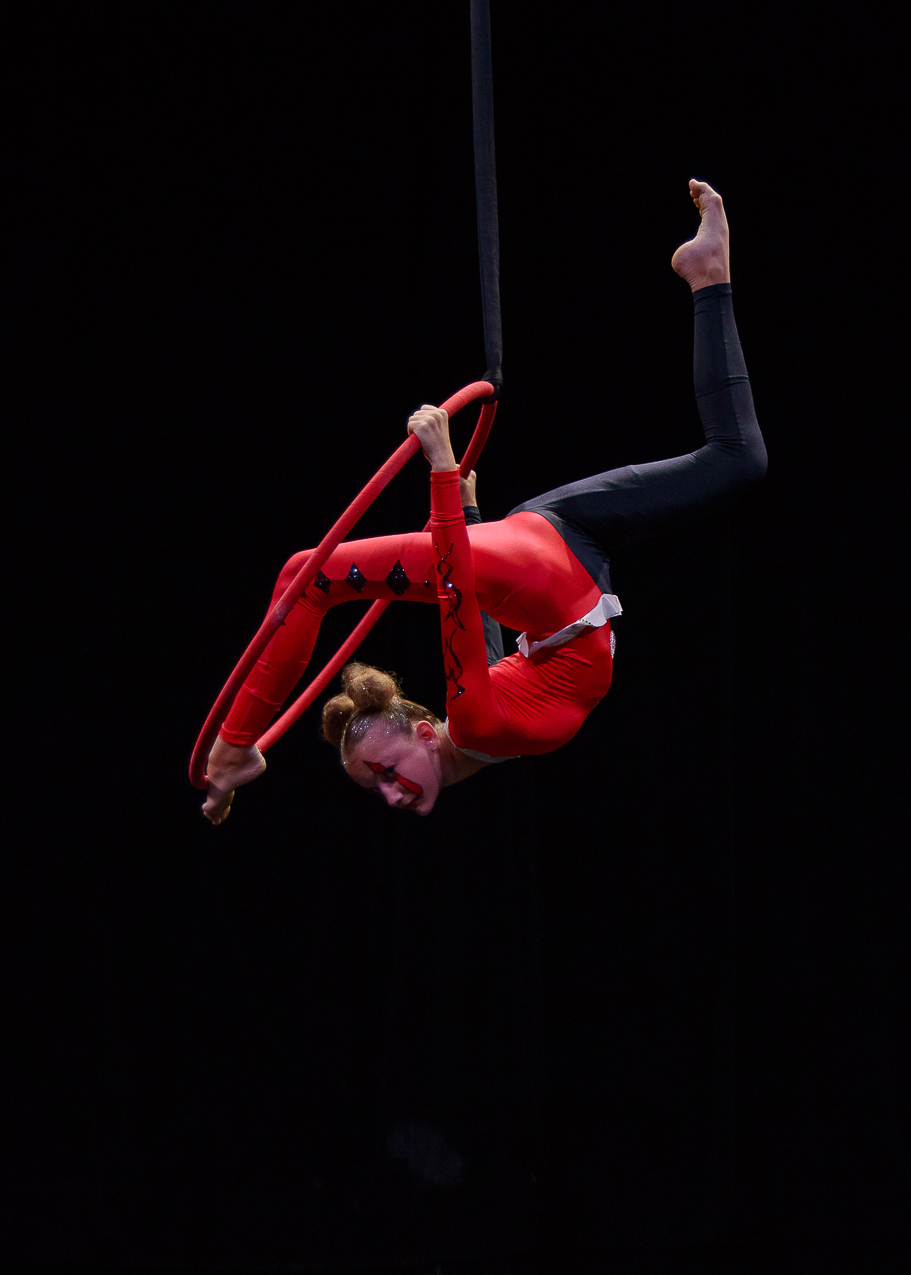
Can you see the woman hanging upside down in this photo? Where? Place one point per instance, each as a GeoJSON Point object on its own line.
{"type": "Point", "coordinates": [543, 570]}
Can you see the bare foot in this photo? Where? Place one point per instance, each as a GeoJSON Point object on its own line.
{"type": "Point", "coordinates": [229, 767]}
{"type": "Point", "coordinates": [707, 258]}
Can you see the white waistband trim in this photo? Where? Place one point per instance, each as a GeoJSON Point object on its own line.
{"type": "Point", "coordinates": [607, 606]}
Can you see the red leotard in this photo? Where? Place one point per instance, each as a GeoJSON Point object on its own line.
{"type": "Point", "coordinates": [519, 570]}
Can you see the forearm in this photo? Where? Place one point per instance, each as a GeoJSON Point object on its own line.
{"type": "Point", "coordinates": [465, 651]}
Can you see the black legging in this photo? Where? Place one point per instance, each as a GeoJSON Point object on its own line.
{"type": "Point", "coordinates": [598, 514]}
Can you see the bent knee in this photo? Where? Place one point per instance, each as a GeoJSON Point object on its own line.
{"type": "Point", "coordinates": [755, 461]}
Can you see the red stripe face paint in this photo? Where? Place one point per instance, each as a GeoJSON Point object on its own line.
{"type": "Point", "coordinates": [390, 773]}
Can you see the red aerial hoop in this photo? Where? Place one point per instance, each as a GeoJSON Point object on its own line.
{"type": "Point", "coordinates": [306, 576]}
{"type": "Point", "coordinates": [488, 389]}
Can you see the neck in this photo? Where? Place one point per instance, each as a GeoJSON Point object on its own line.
{"type": "Point", "coordinates": [454, 764]}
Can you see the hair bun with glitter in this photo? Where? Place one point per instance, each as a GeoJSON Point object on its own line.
{"type": "Point", "coordinates": [369, 693]}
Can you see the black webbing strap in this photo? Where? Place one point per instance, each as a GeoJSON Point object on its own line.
{"type": "Point", "coordinates": [486, 191]}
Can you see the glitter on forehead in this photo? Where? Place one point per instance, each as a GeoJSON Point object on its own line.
{"type": "Point", "coordinates": [381, 729]}
{"type": "Point", "coordinates": [356, 578]}
{"type": "Point", "coordinates": [397, 580]}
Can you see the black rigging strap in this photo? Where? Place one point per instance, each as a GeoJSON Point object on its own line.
{"type": "Point", "coordinates": [486, 190]}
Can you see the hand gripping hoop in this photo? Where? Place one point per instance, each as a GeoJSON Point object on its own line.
{"type": "Point", "coordinates": [307, 574]}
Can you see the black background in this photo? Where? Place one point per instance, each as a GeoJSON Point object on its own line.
{"type": "Point", "coordinates": [632, 1007]}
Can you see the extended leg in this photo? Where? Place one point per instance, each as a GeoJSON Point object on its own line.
{"type": "Point", "coordinates": [618, 506]}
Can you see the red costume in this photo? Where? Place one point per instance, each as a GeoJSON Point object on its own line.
{"type": "Point", "coordinates": [520, 571]}
{"type": "Point", "coordinates": [540, 569]}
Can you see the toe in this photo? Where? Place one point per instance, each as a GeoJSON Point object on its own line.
{"type": "Point", "coordinates": [703, 193]}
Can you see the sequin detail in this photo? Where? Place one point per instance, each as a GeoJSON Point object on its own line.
{"type": "Point", "coordinates": [356, 578]}
{"type": "Point", "coordinates": [397, 580]}
{"type": "Point", "coordinates": [613, 643]}
{"type": "Point", "coordinates": [322, 582]}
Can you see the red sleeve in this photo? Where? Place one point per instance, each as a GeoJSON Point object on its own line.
{"type": "Point", "coordinates": [470, 701]}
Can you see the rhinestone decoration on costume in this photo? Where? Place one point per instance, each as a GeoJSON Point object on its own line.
{"type": "Point", "coordinates": [356, 578]}
{"type": "Point", "coordinates": [397, 580]}
{"type": "Point", "coordinates": [322, 582]}
{"type": "Point", "coordinates": [613, 643]}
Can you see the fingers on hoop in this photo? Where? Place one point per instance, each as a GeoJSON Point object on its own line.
{"type": "Point", "coordinates": [442, 414]}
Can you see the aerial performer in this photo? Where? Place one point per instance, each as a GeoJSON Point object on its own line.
{"type": "Point", "coordinates": [543, 570]}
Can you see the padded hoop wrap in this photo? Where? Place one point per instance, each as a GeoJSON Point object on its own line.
{"type": "Point", "coordinates": [307, 574]}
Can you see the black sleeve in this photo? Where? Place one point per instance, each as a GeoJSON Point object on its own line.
{"type": "Point", "coordinates": [493, 635]}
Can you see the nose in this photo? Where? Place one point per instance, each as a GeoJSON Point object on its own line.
{"type": "Point", "coordinates": [393, 795]}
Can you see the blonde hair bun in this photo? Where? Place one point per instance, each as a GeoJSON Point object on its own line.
{"type": "Point", "coordinates": [369, 689]}
{"type": "Point", "coordinates": [369, 694]}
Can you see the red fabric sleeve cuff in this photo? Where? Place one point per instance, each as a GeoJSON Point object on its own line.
{"type": "Point", "coordinates": [445, 498]}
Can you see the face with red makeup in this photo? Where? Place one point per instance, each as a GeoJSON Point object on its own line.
{"type": "Point", "coordinates": [403, 769]}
